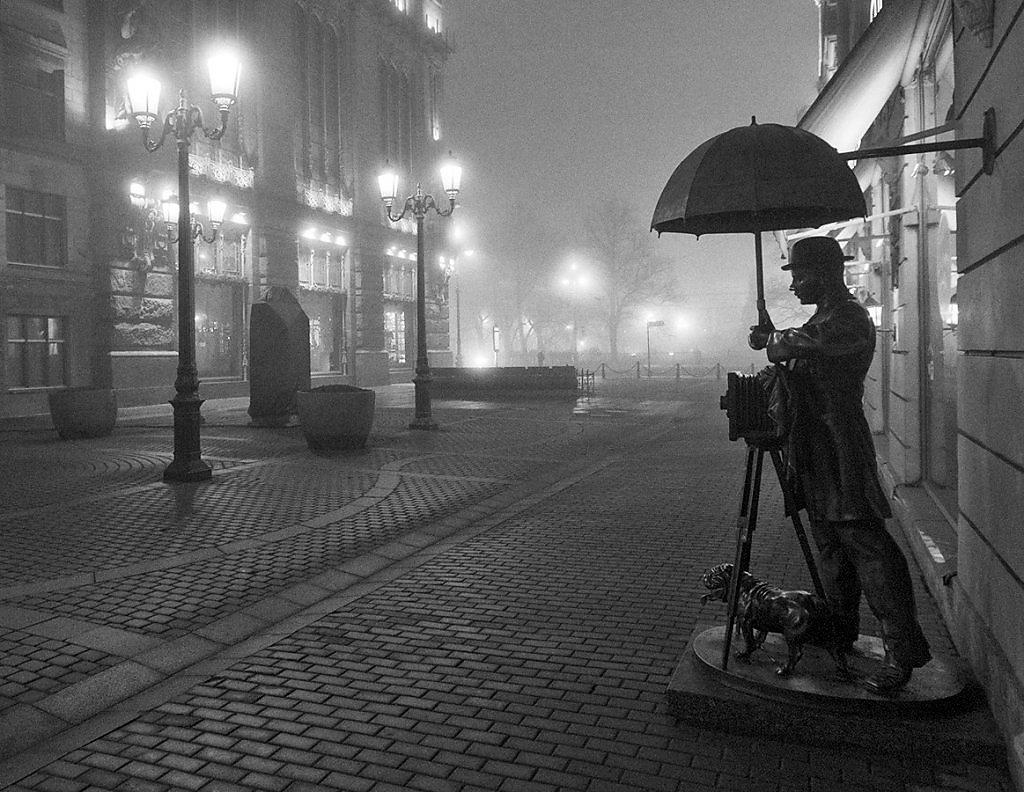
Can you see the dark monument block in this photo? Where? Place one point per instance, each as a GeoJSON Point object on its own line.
{"type": "Point", "coordinates": [278, 356]}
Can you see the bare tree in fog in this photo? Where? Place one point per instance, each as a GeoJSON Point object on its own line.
{"type": "Point", "coordinates": [520, 300]}
{"type": "Point", "coordinates": [632, 274]}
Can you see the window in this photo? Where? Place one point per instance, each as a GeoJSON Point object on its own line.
{"type": "Point", "coordinates": [942, 356]}
{"type": "Point", "coordinates": [327, 344]}
{"type": "Point", "coordinates": [399, 278]}
{"type": "Point", "coordinates": [224, 257]}
{"type": "Point", "coordinates": [36, 355]}
{"type": "Point", "coordinates": [396, 116]}
{"type": "Point", "coordinates": [33, 100]}
{"type": "Point", "coordinates": [829, 55]}
{"type": "Point", "coordinates": [321, 267]}
{"type": "Point", "coordinates": [219, 323]}
{"type": "Point", "coordinates": [435, 105]}
{"type": "Point", "coordinates": [394, 337]}
{"type": "Point", "coordinates": [36, 228]}
{"type": "Point", "coordinates": [319, 59]}
{"type": "Point", "coordinates": [433, 17]}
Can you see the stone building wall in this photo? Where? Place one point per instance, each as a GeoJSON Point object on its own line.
{"type": "Point", "coordinates": [989, 584]}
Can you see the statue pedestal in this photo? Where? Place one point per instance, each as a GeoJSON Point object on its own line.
{"type": "Point", "coordinates": [938, 710]}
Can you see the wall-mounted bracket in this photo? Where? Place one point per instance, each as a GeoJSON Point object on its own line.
{"type": "Point", "coordinates": [987, 144]}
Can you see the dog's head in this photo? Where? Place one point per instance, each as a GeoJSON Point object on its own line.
{"type": "Point", "coordinates": [717, 580]}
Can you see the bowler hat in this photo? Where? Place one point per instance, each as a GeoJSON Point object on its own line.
{"type": "Point", "coordinates": [818, 252]}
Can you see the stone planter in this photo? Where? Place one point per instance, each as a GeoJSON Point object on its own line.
{"type": "Point", "coordinates": [78, 413]}
{"type": "Point", "coordinates": [335, 417]}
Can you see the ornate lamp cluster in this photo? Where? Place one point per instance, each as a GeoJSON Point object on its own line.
{"type": "Point", "coordinates": [143, 239]}
{"type": "Point", "coordinates": [183, 122]}
{"type": "Point", "coordinates": [418, 204]}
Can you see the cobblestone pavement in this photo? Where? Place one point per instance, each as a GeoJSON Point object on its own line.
{"type": "Point", "coordinates": [496, 605]}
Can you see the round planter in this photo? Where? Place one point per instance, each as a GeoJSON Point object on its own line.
{"type": "Point", "coordinates": [79, 413]}
{"type": "Point", "coordinates": [335, 417]}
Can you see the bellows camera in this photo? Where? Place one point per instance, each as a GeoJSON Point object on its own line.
{"type": "Point", "coordinates": [745, 402]}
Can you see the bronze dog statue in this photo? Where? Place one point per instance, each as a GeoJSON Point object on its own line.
{"type": "Point", "coordinates": [801, 617]}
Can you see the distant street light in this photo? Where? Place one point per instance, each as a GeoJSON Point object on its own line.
{"type": "Point", "coordinates": [419, 203]}
{"type": "Point", "coordinates": [575, 282]}
{"type": "Point", "coordinates": [650, 324]}
{"type": "Point", "coordinates": [182, 122]}
{"type": "Point", "coordinates": [451, 268]}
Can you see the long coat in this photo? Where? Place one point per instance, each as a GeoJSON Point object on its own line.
{"type": "Point", "coordinates": [829, 451]}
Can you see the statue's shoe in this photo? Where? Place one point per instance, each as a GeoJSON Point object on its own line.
{"type": "Point", "coordinates": [889, 678]}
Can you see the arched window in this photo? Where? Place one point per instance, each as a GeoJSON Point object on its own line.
{"type": "Point", "coordinates": [396, 116]}
{"type": "Point", "coordinates": [318, 49]}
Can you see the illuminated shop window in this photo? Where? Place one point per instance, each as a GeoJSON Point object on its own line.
{"type": "Point", "coordinates": [433, 16]}
{"type": "Point", "coordinates": [394, 337]}
{"type": "Point", "coordinates": [219, 323]}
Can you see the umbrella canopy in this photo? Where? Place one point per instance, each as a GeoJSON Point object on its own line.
{"type": "Point", "coordinates": [761, 177]}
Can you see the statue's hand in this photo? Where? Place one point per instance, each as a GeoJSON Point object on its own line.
{"type": "Point", "coordinates": [758, 338]}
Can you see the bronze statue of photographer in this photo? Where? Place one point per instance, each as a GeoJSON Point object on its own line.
{"type": "Point", "coordinates": [830, 460]}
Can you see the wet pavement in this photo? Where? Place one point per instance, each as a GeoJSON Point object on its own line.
{"type": "Point", "coordinates": [499, 604]}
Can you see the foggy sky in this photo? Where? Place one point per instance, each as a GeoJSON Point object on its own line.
{"type": "Point", "coordinates": [554, 103]}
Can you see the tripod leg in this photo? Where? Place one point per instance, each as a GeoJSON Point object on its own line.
{"type": "Point", "coordinates": [746, 523]}
{"type": "Point", "coordinates": [798, 526]}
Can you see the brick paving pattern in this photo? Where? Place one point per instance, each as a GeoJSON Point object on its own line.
{"type": "Point", "coordinates": [530, 651]}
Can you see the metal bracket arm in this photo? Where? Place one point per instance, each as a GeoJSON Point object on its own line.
{"type": "Point", "coordinates": [987, 144]}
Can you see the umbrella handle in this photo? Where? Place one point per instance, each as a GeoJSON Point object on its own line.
{"type": "Point", "coordinates": [763, 319]}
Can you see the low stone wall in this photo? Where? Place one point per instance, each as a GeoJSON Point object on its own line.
{"type": "Point", "coordinates": [508, 381]}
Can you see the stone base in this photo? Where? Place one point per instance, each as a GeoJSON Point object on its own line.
{"type": "Point", "coordinates": [938, 711]}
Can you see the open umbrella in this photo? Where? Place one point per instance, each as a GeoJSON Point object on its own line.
{"type": "Point", "coordinates": [761, 177]}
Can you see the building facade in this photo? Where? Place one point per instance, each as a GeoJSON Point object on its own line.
{"type": "Point", "coordinates": [939, 261]}
{"type": "Point", "coordinates": [329, 93]}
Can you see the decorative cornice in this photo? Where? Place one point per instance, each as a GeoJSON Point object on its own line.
{"type": "Point", "coordinates": [316, 288]}
{"type": "Point", "coordinates": [220, 277]}
{"type": "Point", "coordinates": [223, 172]}
{"type": "Point", "coordinates": [318, 196]}
{"type": "Point", "coordinates": [977, 16]}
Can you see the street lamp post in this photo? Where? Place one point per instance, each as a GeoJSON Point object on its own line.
{"type": "Point", "coordinates": [575, 337]}
{"type": "Point", "coordinates": [452, 269]}
{"type": "Point", "coordinates": [458, 324]}
{"type": "Point", "coordinates": [182, 122]}
{"type": "Point", "coordinates": [418, 204]}
{"type": "Point", "coordinates": [576, 282]}
{"type": "Point", "coordinates": [650, 324]}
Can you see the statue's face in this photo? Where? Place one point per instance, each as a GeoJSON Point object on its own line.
{"type": "Point", "coordinates": [808, 285]}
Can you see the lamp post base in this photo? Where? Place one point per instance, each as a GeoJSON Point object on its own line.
{"type": "Point", "coordinates": [421, 382]}
{"type": "Point", "coordinates": [188, 471]}
{"type": "Point", "coordinates": [187, 465]}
